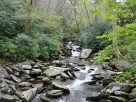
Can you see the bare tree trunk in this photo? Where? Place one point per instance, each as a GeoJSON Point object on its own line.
{"type": "Point", "coordinates": [87, 13]}
{"type": "Point", "coordinates": [28, 16]}
{"type": "Point", "coordinates": [75, 14]}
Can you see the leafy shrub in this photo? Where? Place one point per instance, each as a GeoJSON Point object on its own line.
{"type": "Point", "coordinates": [89, 39]}
{"type": "Point", "coordinates": [104, 55]}
{"type": "Point", "coordinates": [48, 47]}
{"type": "Point", "coordinates": [7, 49]}
{"type": "Point", "coordinates": [27, 48]}
{"type": "Point", "coordinates": [127, 75]}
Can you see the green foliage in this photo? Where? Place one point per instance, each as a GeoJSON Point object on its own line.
{"type": "Point", "coordinates": [27, 48]}
{"type": "Point", "coordinates": [128, 75]}
{"type": "Point", "coordinates": [89, 39]}
{"type": "Point", "coordinates": [8, 49]}
{"type": "Point", "coordinates": [104, 55]}
{"type": "Point", "coordinates": [48, 47]}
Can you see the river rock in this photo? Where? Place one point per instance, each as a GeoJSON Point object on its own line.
{"type": "Point", "coordinates": [3, 73]}
{"type": "Point", "coordinates": [57, 63]}
{"type": "Point", "coordinates": [44, 99]}
{"type": "Point", "coordinates": [24, 84]}
{"type": "Point", "coordinates": [25, 66]}
{"type": "Point", "coordinates": [117, 99]}
{"type": "Point", "coordinates": [16, 79]}
{"type": "Point", "coordinates": [94, 97]}
{"type": "Point", "coordinates": [92, 82]}
{"type": "Point", "coordinates": [53, 71]}
{"type": "Point", "coordinates": [85, 53]}
{"type": "Point", "coordinates": [115, 86]}
{"type": "Point", "coordinates": [54, 93]}
{"type": "Point", "coordinates": [35, 72]}
{"type": "Point", "coordinates": [29, 94]}
{"type": "Point", "coordinates": [6, 98]}
{"type": "Point", "coordinates": [133, 100]}
{"type": "Point", "coordinates": [107, 81]}
{"type": "Point", "coordinates": [121, 94]}
{"type": "Point", "coordinates": [122, 65]}
{"type": "Point", "coordinates": [58, 85]}
{"type": "Point", "coordinates": [46, 81]}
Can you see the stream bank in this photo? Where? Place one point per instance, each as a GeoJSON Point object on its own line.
{"type": "Point", "coordinates": [69, 79]}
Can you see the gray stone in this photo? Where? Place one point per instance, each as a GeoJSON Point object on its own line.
{"type": "Point", "coordinates": [24, 84]}
{"type": "Point", "coordinates": [122, 65]}
{"type": "Point", "coordinates": [58, 85]}
{"type": "Point", "coordinates": [115, 86]}
{"type": "Point", "coordinates": [55, 71]}
{"type": "Point", "coordinates": [25, 66]}
{"type": "Point", "coordinates": [117, 99]}
{"type": "Point", "coordinates": [134, 90]}
{"type": "Point", "coordinates": [44, 99]}
{"type": "Point", "coordinates": [29, 94]}
{"type": "Point", "coordinates": [85, 53]}
{"type": "Point", "coordinates": [6, 98]}
{"type": "Point", "coordinates": [133, 100]}
{"type": "Point", "coordinates": [107, 81]}
{"type": "Point", "coordinates": [46, 81]}
{"type": "Point", "coordinates": [121, 94]}
{"type": "Point", "coordinates": [54, 93]}
{"type": "Point", "coordinates": [94, 97]}
{"type": "Point", "coordinates": [3, 73]}
{"type": "Point", "coordinates": [16, 79]}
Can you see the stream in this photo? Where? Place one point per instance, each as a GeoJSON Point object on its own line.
{"type": "Point", "coordinates": [79, 87]}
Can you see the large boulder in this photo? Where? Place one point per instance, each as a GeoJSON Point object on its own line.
{"type": "Point", "coordinates": [54, 93]}
{"type": "Point", "coordinates": [59, 86]}
{"type": "Point", "coordinates": [117, 99]}
{"type": "Point", "coordinates": [6, 98]}
{"type": "Point", "coordinates": [115, 86]}
{"type": "Point", "coordinates": [122, 65]}
{"type": "Point", "coordinates": [53, 71]}
{"type": "Point", "coordinates": [3, 73]}
{"type": "Point", "coordinates": [85, 53]}
{"type": "Point", "coordinates": [25, 66]}
{"type": "Point", "coordinates": [16, 79]}
{"type": "Point", "coordinates": [29, 94]}
{"type": "Point", "coordinates": [94, 97]}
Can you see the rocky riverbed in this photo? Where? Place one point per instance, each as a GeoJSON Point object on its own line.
{"type": "Point", "coordinates": [70, 79]}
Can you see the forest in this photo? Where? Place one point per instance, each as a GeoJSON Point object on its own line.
{"type": "Point", "coordinates": [67, 50]}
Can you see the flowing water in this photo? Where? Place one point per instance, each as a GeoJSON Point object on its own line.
{"type": "Point", "coordinates": [79, 90]}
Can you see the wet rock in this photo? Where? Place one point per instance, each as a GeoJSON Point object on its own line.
{"type": "Point", "coordinates": [3, 73]}
{"type": "Point", "coordinates": [6, 98]}
{"type": "Point", "coordinates": [94, 97]}
{"type": "Point", "coordinates": [132, 95]}
{"type": "Point", "coordinates": [107, 81]}
{"type": "Point", "coordinates": [106, 65]}
{"type": "Point", "coordinates": [35, 72]}
{"type": "Point", "coordinates": [117, 99]}
{"type": "Point", "coordinates": [122, 65]}
{"type": "Point", "coordinates": [25, 84]}
{"type": "Point", "coordinates": [133, 100]}
{"type": "Point", "coordinates": [44, 99]}
{"type": "Point", "coordinates": [8, 69]}
{"type": "Point", "coordinates": [16, 79]}
{"type": "Point", "coordinates": [55, 71]}
{"type": "Point", "coordinates": [92, 82]}
{"type": "Point", "coordinates": [121, 94]}
{"type": "Point", "coordinates": [115, 86]}
{"type": "Point", "coordinates": [25, 66]}
{"type": "Point", "coordinates": [64, 76]}
{"type": "Point", "coordinates": [46, 81]}
{"type": "Point", "coordinates": [105, 100]}
{"type": "Point", "coordinates": [134, 90]}
{"type": "Point", "coordinates": [58, 85]}
{"type": "Point", "coordinates": [29, 94]}
{"type": "Point", "coordinates": [54, 93]}
{"type": "Point", "coordinates": [58, 63]}
{"type": "Point", "coordinates": [98, 77]}
{"type": "Point", "coordinates": [85, 53]}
